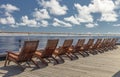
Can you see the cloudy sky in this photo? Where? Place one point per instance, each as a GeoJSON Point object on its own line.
{"type": "Point", "coordinates": [78, 16]}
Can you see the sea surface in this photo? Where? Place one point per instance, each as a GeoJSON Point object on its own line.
{"type": "Point", "coordinates": [14, 43]}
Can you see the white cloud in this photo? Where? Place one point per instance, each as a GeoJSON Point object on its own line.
{"type": "Point", "coordinates": [25, 21]}
{"type": "Point", "coordinates": [83, 13]}
{"type": "Point", "coordinates": [117, 3]}
{"type": "Point", "coordinates": [89, 33]}
{"type": "Point", "coordinates": [44, 23]}
{"type": "Point", "coordinates": [105, 7]}
{"type": "Point", "coordinates": [116, 25]}
{"type": "Point", "coordinates": [9, 7]}
{"type": "Point", "coordinates": [59, 23]}
{"type": "Point", "coordinates": [14, 26]}
{"type": "Point", "coordinates": [41, 14]}
{"type": "Point", "coordinates": [8, 20]}
{"type": "Point", "coordinates": [91, 25]}
{"type": "Point", "coordinates": [109, 17]}
{"type": "Point", "coordinates": [54, 7]}
{"type": "Point", "coordinates": [72, 19]}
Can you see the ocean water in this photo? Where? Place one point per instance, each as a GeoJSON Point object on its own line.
{"type": "Point", "coordinates": [13, 43]}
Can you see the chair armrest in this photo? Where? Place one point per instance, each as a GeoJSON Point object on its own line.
{"type": "Point", "coordinates": [10, 52]}
{"type": "Point", "coordinates": [40, 50]}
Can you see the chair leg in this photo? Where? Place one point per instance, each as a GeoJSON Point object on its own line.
{"type": "Point", "coordinates": [48, 59]}
{"type": "Point", "coordinates": [86, 53]}
{"type": "Point", "coordinates": [5, 62]}
{"type": "Point", "coordinates": [100, 51]}
{"type": "Point", "coordinates": [55, 60]}
{"type": "Point", "coordinates": [9, 62]}
{"type": "Point", "coordinates": [61, 58]}
{"type": "Point", "coordinates": [23, 68]}
{"type": "Point", "coordinates": [35, 63]}
{"type": "Point", "coordinates": [81, 53]}
{"type": "Point", "coordinates": [43, 61]}
{"type": "Point", "coordinates": [68, 56]}
{"type": "Point", "coordinates": [75, 55]}
{"type": "Point", "coordinates": [28, 64]}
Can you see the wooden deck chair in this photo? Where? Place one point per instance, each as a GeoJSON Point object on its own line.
{"type": "Point", "coordinates": [106, 47]}
{"type": "Point", "coordinates": [105, 44]}
{"type": "Point", "coordinates": [25, 55]}
{"type": "Point", "coordinates": [80, 43]}
{"type": "Point", "coordinates": [93, 48]}
{"type": "Point", "coordinates": [48, 51]}
{"type": "Point", "coordinates": [76, 48]}
{"type": "Point", "coordinates": [84, 49]}
{"type": "Point", "coordinates": [101, 46]}
{"type": "Point", "coordinates": [112, 44]}
{"type": "Point", "coordinates": [63, 50]}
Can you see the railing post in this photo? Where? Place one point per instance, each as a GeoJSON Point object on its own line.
{"type": "Point", "coordinates": [28, 36]}
{"type": "Point", "coordinates": [19, 44]}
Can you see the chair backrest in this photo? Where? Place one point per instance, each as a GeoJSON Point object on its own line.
{"type": "Point", "coordinates": [97, 42]}
{"type": "Point", "coordinates": [67, 43]}
{"type": "Point", "coordinates": [90, 42]}
{"type": "Point", "coordinates": [65, 47]}
{"type": "Point", "coordinates": [50, 47]}
{"type": "Point", "coordinates": [102, 44]}
{"type": "Point", "coordinates": [80, 43]}
{"type": "Point", "coordinates": [106, 42]}
{"type": "Point", "coordinates": [114, 40]}
{"type": "Point", "coordinates": [28, 50]}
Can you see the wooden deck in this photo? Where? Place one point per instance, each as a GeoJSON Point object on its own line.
{"type": "Point", "coordinates": [106, 64]}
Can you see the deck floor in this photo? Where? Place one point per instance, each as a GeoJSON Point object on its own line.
{"type": "Point", "coordinates": [105, 64]}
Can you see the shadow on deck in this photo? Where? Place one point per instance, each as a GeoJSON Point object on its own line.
{"type": "Point", "coordinates": [116, 74]}
{"type": "Point", "coordinates": [14, 70]}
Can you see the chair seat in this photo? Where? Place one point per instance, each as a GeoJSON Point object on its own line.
{"type": "Point", "coordinates": [59, 51]}
{"type": "Point", "coordinates": [91, 47]}
{"type": "Point", "coordinates": [56, 52]}
{"type": "Point", "coordinates": [13, 56]}
{"type": "Point", "coordinates": [38, 53]}
{"type": "Point", "coordinates": [82, 48]}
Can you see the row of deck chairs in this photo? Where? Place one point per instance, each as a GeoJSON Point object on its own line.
{"type": "Point", "coordinates": [30, 51]}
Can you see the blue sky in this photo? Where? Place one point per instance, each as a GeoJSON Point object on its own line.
{"type": "Point", "coordinates": [77, 16]}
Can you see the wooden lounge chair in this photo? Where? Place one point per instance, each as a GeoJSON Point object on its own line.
{"type": "Point", "coordinates": [85, 48]}
{"type": "Point", "coordinates": [112, 44]}
{"type": "Point", "coordinates": [76, 48]}
{"type": "Point", "coordinates": [64, 49]}
{"type": "Point", "coordinates": [106, 46]}
{"type": "Point", "coordinates": [102, 45]}
{"type": "Point", "coordinates": [25, 55]}
{"type": "Point", "coordinates": [93, 48]}
{"type": "Point", "coordinates": [48, 51]}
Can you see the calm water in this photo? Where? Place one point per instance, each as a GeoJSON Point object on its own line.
{"type": "Point", "coordinates": [13, 42]}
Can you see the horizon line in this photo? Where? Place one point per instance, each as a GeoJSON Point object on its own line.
{"type": "Point", "coordinates": [66, 33]}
